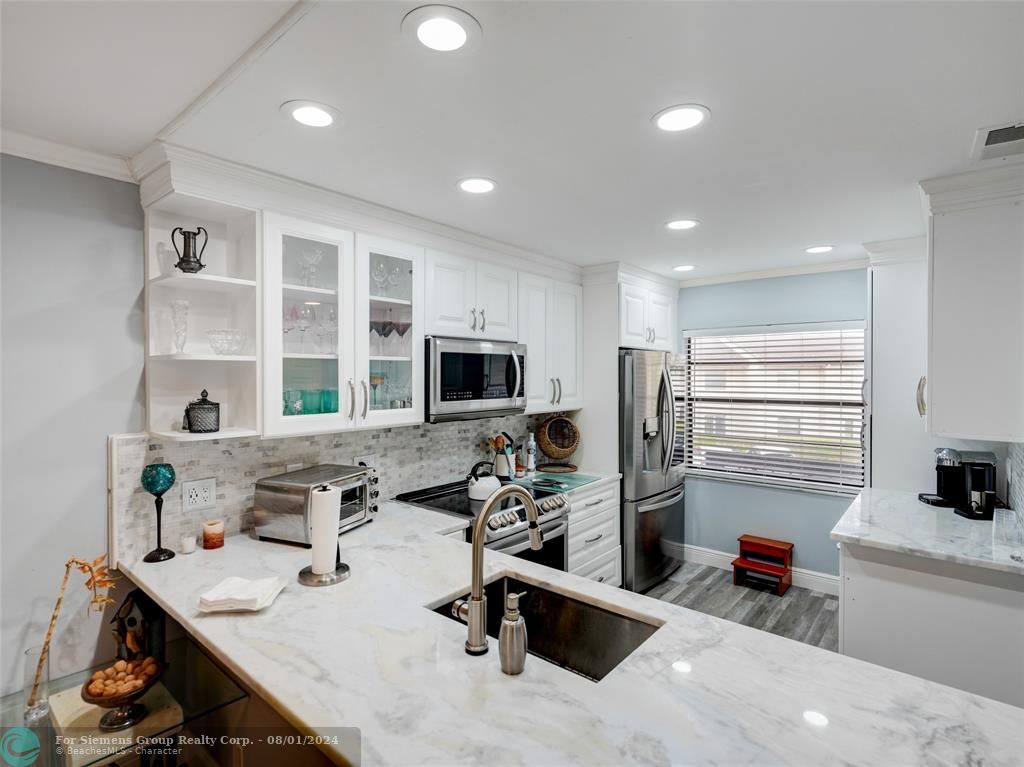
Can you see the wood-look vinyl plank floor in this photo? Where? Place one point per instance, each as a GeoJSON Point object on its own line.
{"type": "Point", "coordinates": [801, 614]}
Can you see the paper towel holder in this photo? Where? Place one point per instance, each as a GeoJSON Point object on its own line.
{"type": "Point", "coordinates": [341, 571]}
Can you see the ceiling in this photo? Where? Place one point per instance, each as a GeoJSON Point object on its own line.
{"type": "Point", "coordinates": [824, 115]}
{"type": "Point", "coordinates": [107, 76]}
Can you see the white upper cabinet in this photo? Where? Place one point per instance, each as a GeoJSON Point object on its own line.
{"type": "Point", "coordinates": [565, 344]}
{"type": "Point", "coordinates": [976, 268]}
{"type": "Point", "coordinates": [308, 315]}
{"type": "Point", "coordinates": [534, 326]}
{"type": "Point", "coordinates": [389, 350]}
{"type": "Point", "coordinates": [470, 299]}
{"type": "Point", "coordinates": [551, 326]}
{"type": "Point", "coordinates": [646, 318]}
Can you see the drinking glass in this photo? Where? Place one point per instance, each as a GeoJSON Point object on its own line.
{"type": "Point", "coordinates": [37, 686]}
{"type": "Point", "coordinates": [328, 331]}
{"type": "Point", "coordinates": [311, 259]}
{"type": "Point", "coordinates": [288, 325]}
{"type": "Point", "coordinates": [311, 401]}
{"type": "Point", "coordinates": [329, 401]}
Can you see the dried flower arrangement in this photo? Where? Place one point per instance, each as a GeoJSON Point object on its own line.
{"type": "Point", "coordinates": [100, 582]}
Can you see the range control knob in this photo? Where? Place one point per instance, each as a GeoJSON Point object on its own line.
{"type": "Point", "coordinates": [374, 479]}
{"type": "Point", "coordinates": [373, 508]}
{"type": "Point", "coordinates": [493, 523]}
{"type": "Point", "coordinates": [374, 493]}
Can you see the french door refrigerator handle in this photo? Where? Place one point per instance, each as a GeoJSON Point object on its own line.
{"type": "Point", "coordinates": [640, 509]}
{"type": "Point", "coordinates": [670, 402]}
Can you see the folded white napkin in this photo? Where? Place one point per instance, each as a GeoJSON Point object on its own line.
{"type": "Point", "coordinates": [236, 594]}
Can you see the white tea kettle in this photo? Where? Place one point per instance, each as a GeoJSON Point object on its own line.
{"type": "Point", "coordinates": [482, 487]}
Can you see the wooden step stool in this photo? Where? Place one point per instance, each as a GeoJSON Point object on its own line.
{"type": "Point", "coordinates": [768, 558]}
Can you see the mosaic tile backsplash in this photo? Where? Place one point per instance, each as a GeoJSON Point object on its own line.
{"type": "Point", "coordinates": [408, 458]}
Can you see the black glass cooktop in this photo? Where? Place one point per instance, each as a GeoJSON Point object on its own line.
{"type": "Point", "coordinates": [453, 498]}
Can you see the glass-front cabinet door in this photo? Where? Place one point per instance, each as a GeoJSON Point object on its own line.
{"type": "Point", "coordinates": [309, 359]}
{"type": "Point", "coordinates": [389, 332]}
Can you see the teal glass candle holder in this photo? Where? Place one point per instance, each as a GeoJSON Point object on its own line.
{"type": "Point", "coordinates": [157, 479]}
{"type": "Point", "coordinates": [310, 401]}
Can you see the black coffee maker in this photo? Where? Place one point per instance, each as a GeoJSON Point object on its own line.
{"type": "Point", "coordinates": [966, 482]}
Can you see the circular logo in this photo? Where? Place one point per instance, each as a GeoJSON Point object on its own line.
{"type": "Point", "coordinates": [19, 747]}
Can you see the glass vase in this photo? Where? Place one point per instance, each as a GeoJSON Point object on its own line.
{"type": "Point", "coordinates": [37, 686]}
{"type": "Point", "coordinates": [179, 320]}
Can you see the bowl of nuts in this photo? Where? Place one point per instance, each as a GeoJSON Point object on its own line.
{"type": "Point", "coordinates": [118, 687]}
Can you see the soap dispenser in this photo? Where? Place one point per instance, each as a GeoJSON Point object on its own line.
{"type": "Point", "coordinates": [512, 637]}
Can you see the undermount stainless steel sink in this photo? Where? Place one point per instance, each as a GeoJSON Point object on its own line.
{"type": "Point", "coordinates": [583, 638]}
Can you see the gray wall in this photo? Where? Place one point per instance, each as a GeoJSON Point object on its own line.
{"type": "Point", "coordinates": [71, 340]}
{"type": "Point", "coordinates": [717, 511]}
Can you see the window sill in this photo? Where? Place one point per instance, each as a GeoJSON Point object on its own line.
{"type": "Point", "coordinates": [803, 487]}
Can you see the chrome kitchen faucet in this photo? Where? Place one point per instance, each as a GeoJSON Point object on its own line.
{"type": "Point", "coordinates": [474, 610]}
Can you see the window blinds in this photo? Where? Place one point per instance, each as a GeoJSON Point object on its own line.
{"type": "Point", "coordinates": [783, 408]}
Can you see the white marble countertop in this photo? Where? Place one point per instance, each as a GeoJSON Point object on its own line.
{"type": "Point", "coordinates": [368, 653]}
{"type": "Point", "coordinates": [895, 520]}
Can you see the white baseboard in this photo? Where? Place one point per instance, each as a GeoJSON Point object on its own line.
{"type": "Point", "coordinates": [806, 579]}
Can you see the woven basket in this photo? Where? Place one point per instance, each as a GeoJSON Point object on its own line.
{"type": "Point", "coordinates": [558, 438]}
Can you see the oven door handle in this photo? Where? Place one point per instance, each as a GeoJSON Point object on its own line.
{"type": "Point", "coordinates": [522, 543]}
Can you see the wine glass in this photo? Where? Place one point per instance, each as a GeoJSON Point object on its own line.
{"type": "Point", "coordinates": [328, 330]}
{"type": "Point", "coordinates": [291, 316]}
{"type": "Point", "coordinates": [379, 273]}
{"type": "Point", "coordinates": [306, 320]}
{"type": "Point", "coordinates": [394, 278]}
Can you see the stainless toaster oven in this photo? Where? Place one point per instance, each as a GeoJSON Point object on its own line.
{"type": "Point", "coordinates": [283, 502]}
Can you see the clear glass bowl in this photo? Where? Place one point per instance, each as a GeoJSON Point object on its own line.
{"type": "Point", "coordinates": [227, 341]}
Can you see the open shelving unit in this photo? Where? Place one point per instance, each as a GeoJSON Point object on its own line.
{"type": "Point", "coordinates": [225, 295]}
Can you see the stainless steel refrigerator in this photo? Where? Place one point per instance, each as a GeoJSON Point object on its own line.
{"type": "Point", "coordinates": [651, 463]}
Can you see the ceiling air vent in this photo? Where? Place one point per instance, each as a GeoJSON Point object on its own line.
{"type": "Point", "coordinates": [998, 141]}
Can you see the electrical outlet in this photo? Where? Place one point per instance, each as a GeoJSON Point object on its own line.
{"type": "Point", "coordinates": [198, 495]}
{"type": "Point", "coordinates": [293, 467]}
{"type": "Point", "coordinates": [370, 459]}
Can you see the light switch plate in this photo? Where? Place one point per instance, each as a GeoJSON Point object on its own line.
{"type": "Point", "coordinates": [199, 494]}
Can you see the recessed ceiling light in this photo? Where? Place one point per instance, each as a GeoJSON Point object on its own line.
{"type": "Point", "coordinates": [815, 718]}
{"type": "Point", "coordinates": [681, 117]}
{"type": "Point", "coordinates": [819, 249]}
{"type": "Point", "coordinates": [686, 268]}
{"type": "Point", "coordinates": [442, 28]}
{"type": "Point", "coordinates": [309, 113]}
{"type": "Point", "coordinates": [681, 224]}
{"type": "Point", "coordinates": [477, 185]}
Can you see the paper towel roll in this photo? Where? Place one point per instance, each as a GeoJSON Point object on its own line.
{"type": "Point", "coordinates": [325, 515]}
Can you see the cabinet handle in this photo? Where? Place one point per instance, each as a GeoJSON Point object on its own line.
{"type": "Point", "coordinates": [922, 408]}
{"type": "Point", "coordinates": [366, 397]}
{"type": "Point", "coordinates": [597, 537]}
{"type": "Point", "coordinates": [559, 391]}
{"type": "Point", "coordinates": [552, 400]}
{"type": "Point", "coordinates": [474, 319]}
{"type": "Point", "coordinates": [588, 504]}
{"type": "Point", "coordinates": [483, 321]}
{"type": "Point", "coordinates": [352, 391]}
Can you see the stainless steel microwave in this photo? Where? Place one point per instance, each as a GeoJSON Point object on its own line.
{"type": "Point", "coordinates": [469, 379]}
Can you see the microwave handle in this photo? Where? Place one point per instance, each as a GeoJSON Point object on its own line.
{"type": "Point", "coordinates": [519, 375]}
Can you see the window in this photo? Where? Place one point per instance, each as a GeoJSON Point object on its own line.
{"type": "Point", "coordinates": [782, 408]}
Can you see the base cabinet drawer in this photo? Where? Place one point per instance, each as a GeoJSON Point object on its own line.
{"type": "Point", "coordinates": [591, 538]}
{"type": "Point", "coordinates": [606, 568]}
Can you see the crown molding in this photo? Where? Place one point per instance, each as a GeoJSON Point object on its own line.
{"type": "Point", "coordinates": [615, 272]}
{"type": "Point", "coordinates": [64, 156]}
{"type": "Point", "coordinates": [896, 251]}
{"type": "Point", "coordinates": [792, 271]}
{"type": "Point", "coordinates": [167, 169]}
{"type": "Point", "coordinates": [973, 188]}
